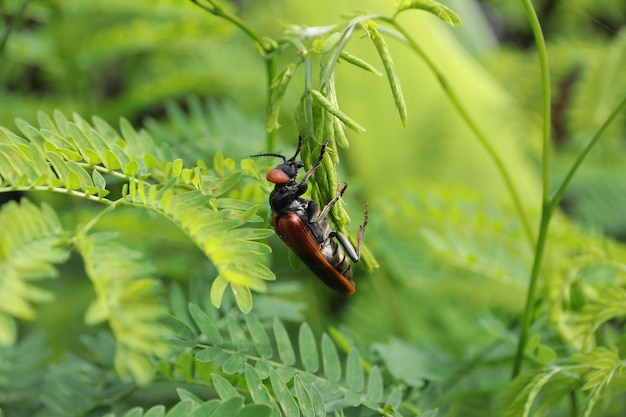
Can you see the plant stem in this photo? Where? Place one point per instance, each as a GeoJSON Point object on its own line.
{"type": "Point", "coordinates": [529, 309]}
{"type": "Point", "coordinates": [558, 194]}
{"type": "Point", "coordinates": [266, 45]}
{"type": "Point", "coordinates": [17, 19]}
{"type": "Point", "coordinates": [270, 72]}
{"type": "Point", "coordinates": [482, 138]}
{"type": "Point", "coordinates": [546, 207]}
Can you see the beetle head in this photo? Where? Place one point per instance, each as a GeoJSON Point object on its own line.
{"type": "Point", "coordinates": [288, 170]}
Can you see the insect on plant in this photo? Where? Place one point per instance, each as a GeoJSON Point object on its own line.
{"type": "Point", "coordinates": [306, 230]}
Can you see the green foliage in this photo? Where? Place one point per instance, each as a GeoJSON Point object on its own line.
{"type": "Point", "coordinates": [120, 213]}
{"type": "Point", "coordinates": [30, 243]}
{"type": "Point", "coordinates": [128, 298]}
{"type": "Point", "coordinates": [72, 156]}
{"type": "Point", "coordinates": [443, 12]}
{"type": "Point", "coordinates": [245, 359]}
{"type": "Point", "coordinates": [22, 368]}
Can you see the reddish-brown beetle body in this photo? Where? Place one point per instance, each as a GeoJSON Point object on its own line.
{"type": "Point", "coordinates": [306, 230]}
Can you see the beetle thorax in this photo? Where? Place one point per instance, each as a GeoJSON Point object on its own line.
{"type": "Point", "coordinates": [284, 195]}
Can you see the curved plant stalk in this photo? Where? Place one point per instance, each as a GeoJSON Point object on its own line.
{"type": "Point", "coordinates": [558, 194]}
{"type": "Point", "coordinates": [549, 203]}
{"type": "Point", "coordinates": [12, 26]}
{"type": "Point", "coordinates": [546, 212]}
{"type": "Point", "coordinates": [266, 46]}
{"type": "Point", "coordinates": [482, 138]}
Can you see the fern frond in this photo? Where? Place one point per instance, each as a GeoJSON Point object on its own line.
{"type": "Point", "coordinates": [76, 386]}
{"type": "Point", "coordinates": [523, 395]}
{"type": "Point", "coordinates": [128, 297]}
{"type": "Point", "coordinates": [605, 377]}
{"type": "Point", "coordinates": [22, 368]}
{"type": "Point", "coordinates": [81, 159]}
{"type": "Point", "coordinates": [586, 289]}
{"type": "Point", "coordinates": [191, 405]}
{"type": "Point", "coordinates": [31, 242]}
{"type": "Point", "coordinates": [610, 304]}
{"type": "Point", "coordinates": [278, 373]}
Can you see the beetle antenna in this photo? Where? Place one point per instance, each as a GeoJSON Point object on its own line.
{"type": "Point", "coordinates": [293, 158]}
{"type": "Point", "coordinates": [277, 155]}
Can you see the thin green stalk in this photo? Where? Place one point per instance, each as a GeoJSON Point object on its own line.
{"type": "Point", "coordinates": [546, 207]}
{"type": "Point", "coordinates": [270, 72]}
{"type": "Point", "coordinates": [266, 45]}
{"type": "Point", "coordinates": [308, 102]}
{"type": "Point", "coordinates": [482, 138]}
{"type": "Point", "coordinates": [14, 24]}
{"type": "Point", "coordinates": [529, 309]}
{"type": "Point", "coordinates": [558, 194]}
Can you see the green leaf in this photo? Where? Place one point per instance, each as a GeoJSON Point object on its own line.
{"type": "Point", "coordinates": [229, 407]}
{"type": "Point", "coordinates": [178, 328]}
{"type": "Point", "coordinates": [59, 165]}
{"type": "Point", "coordinates": [286, 401]}
{"type": "Point", "coordinates": [177, 167]}
{"type": "Point", "coordinates": [355, 375]}
{"type": "Point", "coordinates": [255, 410]}
{"type": "Point", "coordinates": [330, 359]}
{"type": "Point", "coordinates": [370, 28]}
{"type": "Point", "coordinates": [234, 364]}
{"type": "Point", "coordinates": [209, 354]}
{"type": "Point", "coordinates": [320, 99]}
{"type": "Point", "coordinates": [277, 93]}
{"type": "Point", "coordinates": [441, 11]}
{"type": "Point", "coordinates": [375, 389]}
{"type": "Point", "coordinates": [184, 366]}
{"type": "Point", "coordinates": [304, 398]}
{"type": "Point", "coordinates": [243, 297]}
{"type": "Point", "coordinates": [258, 391]}
{"type": "Point", "coordinates": [131, 169]}
{"type": "Point", "coordinates": [181, 409]}
{"type": "Point", "coordinates": [283, 344]}
{"type": "Point", "coordinates": [98, 179]}
{"type": "Point", "coordinates": [217, 290]}
{"type": "Point", "coordinates": [545, 354]}
{"type": "Point", "coordinates": [308, 348]}
{"type": "Point", "coordinates": [72, 182]}
{"type": "Point", "coordinates": [206, 325]}
{"type": "Point", "coordinates": [110, 160]}
{"type": "Point", "coordinates": [361, 63]}
{"type": "Point", "coordinates": [224, 389]}
{"type": "Point", "coordinates": [61, 122]}
{"type": "Point", "coordinates": [259, 337]}
{"type": "Point", "coordinates": [206, 409]}
{"type": "Point", "coordinates": [236, 333]}
{"type": "Point", "coordinates": [156, 411]}
{"type": "Point", "coordinates": [395, 397]}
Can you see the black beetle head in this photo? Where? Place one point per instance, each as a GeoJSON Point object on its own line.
{"type": "Point", "coordinates": [288, 170]}
{"type": "Point", "coordinates": [284, 172]}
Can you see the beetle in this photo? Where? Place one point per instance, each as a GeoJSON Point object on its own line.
{"type": "Point", "coordinates": [301, 224]}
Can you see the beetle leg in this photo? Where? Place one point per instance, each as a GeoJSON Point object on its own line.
{"type": "Point", "coordinates": [317, 163]}
{"type": "Point", "coordinates": [347, 246]}
{"type": "Point", "coordinates": [322, 214]}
